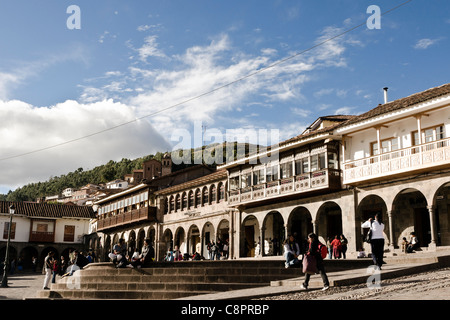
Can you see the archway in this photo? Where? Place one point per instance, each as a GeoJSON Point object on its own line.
{"type": "Point", "coordinates": [273, 234]}
{"type": "Point", "coordinates": [180, 240]}
{"type": "Point", "coordinates": [107, 248]}
{"type": "Point", "coordinates": [208, 235]}
{"type": "Point", "coordinates": [249, 236]}
{"type": "Point", "coordinates": [140, 239]}
{"type": "Point", "coordinates": [167, 241]}
{"type": "Point", "coordinates": [329, 221]}
{"type": "Point", "coordinates": [368, 207]}
{"type": "Point", "coordinates": [27, 254]}
{"type": "Point", "coordinates": [12, 255]}
{"type": "Point", "coordinates": [441, 206]}
{"type": "Point", "coordinates": [193, 240]}
{"type": "Point", "coordinates": [410, 209]}
{"type": "Point", "coordinates": [300, 225]}
{"type": "Point", "coordinates": [131, 246]}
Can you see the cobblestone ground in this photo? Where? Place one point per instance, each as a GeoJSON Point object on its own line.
{"type": "Point", "coordinates": [432, 285]}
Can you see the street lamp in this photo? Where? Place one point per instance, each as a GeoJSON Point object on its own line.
{"type": "Point", "coordinates": [5, 269]}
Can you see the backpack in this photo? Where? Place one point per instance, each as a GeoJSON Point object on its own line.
{"type": "Point", "coordinates": [323, 250]}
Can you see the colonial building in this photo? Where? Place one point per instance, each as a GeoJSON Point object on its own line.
{"type": "Point", "coordinates": [397, 159]}
{"type": "Point", "coordinates": [393, 160]}
{"type": "Point", "coordinates": [38, 228]}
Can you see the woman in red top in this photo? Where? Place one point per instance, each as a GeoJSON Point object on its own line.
{"type": "Point", "coordinates": [336, 244]}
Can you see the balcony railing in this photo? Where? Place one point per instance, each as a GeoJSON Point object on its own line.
{"type": "Point", "coordinates": [133, 216]}
{"type": "Point", "coordinates": [324, 178]}
{"type": "Point", "coordinates": [425, 156]}
{"type": "Point", "coordinates": [36, 236]}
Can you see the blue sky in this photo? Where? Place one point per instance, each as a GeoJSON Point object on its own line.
{"type": "Point", "coordinates": [131, 59]}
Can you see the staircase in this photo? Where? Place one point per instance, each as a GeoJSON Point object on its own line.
{"type": "Point", "coordinates": [165, 280]}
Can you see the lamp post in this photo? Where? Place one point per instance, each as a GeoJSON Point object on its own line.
{"type": "Point", "coordinates": [5, 269]}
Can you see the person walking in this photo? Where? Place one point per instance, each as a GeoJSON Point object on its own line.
{"type": "Point", "coordinates": [336, 244]}
{"type": "Point", "coordinates": [315, 252]}
{"type": "Point", "coordinates": [377, 241]}
{"type": "Point", "coordinates": [48, 267]}
{"type": "Point", "coordinates": [55, 270]}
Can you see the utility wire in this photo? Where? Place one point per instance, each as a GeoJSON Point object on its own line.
{"type": "Point", "coordinates": [205, 93]}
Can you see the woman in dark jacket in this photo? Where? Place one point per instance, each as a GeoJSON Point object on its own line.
{"type": "Point", "coordinates": [314, 251]}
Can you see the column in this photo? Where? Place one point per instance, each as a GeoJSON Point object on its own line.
{"type": "Point", "coordinates": [261, 245]}
{"type": "Point", "coordinates": [432, 244]}
{"type": "Point", "coordinates": [391, 232]}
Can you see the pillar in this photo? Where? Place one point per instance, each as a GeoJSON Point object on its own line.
{"type": "Point", "coordinates": [391, 232]}
{"type": "Point", "coordinates": [433, 242]}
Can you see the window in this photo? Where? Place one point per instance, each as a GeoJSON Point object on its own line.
{"type": "Point", "coordinates": [258, 176]}
{"type": "Point", "coordinates": [221, 191]}
{"type": "Point", "coordinates": [429, 135]}
{"type": "Point", "coordinates": [332, 160]}
{"type": "Point", "coordinates": [205, 196]}
{"type": "Point", "coordinates": [166, 206]}
{"type": "Point", "coordinates": [272, 173]}
{"type": "Point", "coordinates": [198, 198]}
{"type": "Point", "coordinates": [213, 194]}
{"type": "Point", "coordinates": [286, 170]}
{"type": "Point", "coordinates": [6, 230]}
{"type": "Point", "coordinates": [177, 202]}
{"type": "Point", "coordinates": [191, 200]}
{"type": "Point", "coordinates": [387, 145]}
{"type": "Point", "coordinates": [246, 180]}
{"type": "Point", "coordinates": [185, 201]}
{"type": "Point", "coordinates": [69, 233]}
{"type": "Point", "coordinates": [234, 183]}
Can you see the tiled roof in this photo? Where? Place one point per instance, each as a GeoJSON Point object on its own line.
{"type": "Point", "coordinates": [48, 210]}
{"type": "Point", "coordinates": [411, 100]}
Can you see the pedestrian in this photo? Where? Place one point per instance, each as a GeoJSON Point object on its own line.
{"type": "Point", "coordinates": [34, 263]}
{"type": "Point", "coordinates": [177, 254]}
{"type": "Point", "coordinates": [344, 243]}
{"type": "Point", "coordinates": [314, 250]}
{"type": "Point", "coordinates": [55, 270]}
{"type": "Point", "coordinates": [291, 251]}
{"type": "Point", "coordinates": [48, 267]}
{"type": "Point", "coordinates": [336, 244]}
{"type": "Point", "coordinates": [62, 266]}
{"type": "Point", "coordinates": [330, 248]}
{"type": "Point", "coordinates": [225, 249]}
{"type": "Point", "coordinates": [377, 240]}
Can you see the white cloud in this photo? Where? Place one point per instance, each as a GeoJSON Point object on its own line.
{"type": "Point", "coordinates": [425, 43]}
{"type": "Point", "coordinates": [30, 128]}
{"type": "Point", "coordinates": [150, 49]}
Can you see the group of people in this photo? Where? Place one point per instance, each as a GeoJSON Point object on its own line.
{"type": "Point", "coordinates": [121, 259]}
{"type": "Point", "coordinates": [411, 245]}
{"type": "Point", "coordinates": [217, 250]}
{"type": "Point", "coordinates": [63, 267]}
{"type": "Point", "coordinates": [337, 247]}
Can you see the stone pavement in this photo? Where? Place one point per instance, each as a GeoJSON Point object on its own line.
{"type": "Point", "coordinates": [25, 285]}
{"type": "Point", "coordinates": [22, 285]}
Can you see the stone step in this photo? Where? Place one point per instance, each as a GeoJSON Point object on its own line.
{"type": "Point", "coordinates": [114, 294]}
{"type": "Point", "coordinates": [138, 286]}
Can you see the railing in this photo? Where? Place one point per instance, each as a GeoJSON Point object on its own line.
{"type": "Point", "coordinates": [427, 155]}
{"type": "Point", "coordinates": [137, 215]}
{"type": "Point", "coordinates": [36, 236]}
{"type": "Point", "coordinates": [286, 186]}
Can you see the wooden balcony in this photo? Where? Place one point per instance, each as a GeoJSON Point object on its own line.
{"type": "Point", "coordinates": [36, 236]}
{"type": "Point", "coordinates": [146, 214]}
{"type": "Point", "coordinates": [322, 179]}
{"type": "Point", "coordinates": [425, 157]}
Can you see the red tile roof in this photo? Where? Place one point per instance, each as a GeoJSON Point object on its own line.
{"type": "Point", "coordinates": [48, 210]}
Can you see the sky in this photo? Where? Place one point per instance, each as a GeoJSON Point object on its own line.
{"type": "Point", "coordinates": [107, 80]}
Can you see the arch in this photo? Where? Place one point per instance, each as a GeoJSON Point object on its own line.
{"type": "Point", "coordinates": [151, 235]}
{"type": "Point", "coordinates": [208, 234]}
{"type": "Point", "coordinates": [410, 209]}
{"type": "Point", "coordinates": [171, 204]}
{"type": "Point", "coordinates": [140, 239]}
{"type": "Point", "coordinates": [180, 240]}
{"type": "Point", "coordinates": [46, 251]}
{"type": "Point", "coordinates": [249, 236]}
{"type": "Point", "coordinates": [300, 225]}
{"type": "Point", "coordinates": [191, 200]}
{"type": "Point", "coordinates": [184, 201]}
{"type": "Point", "coordinates": [198, 198]}
{"type": "Point", "coordinates": [205, 196]}
{"type": "Point", "coordinates": [107, 248]}
{"type": "Point", "coordinates": [193, 240]}
{"type": "Point", "coordinates": [273, 228]}
{"type": "Point", "coordinates": [328, 221]}
{"type": "Point", "coordinates": [367, 208]}
{"type": "Point", "coordinates": [441, 211]}
{"type": "Point", "coordinates": [131, 244]}
{"type": "Point", "coordinates": [12, 254]}
{"type": "Point", "coordinates": [167, 240]}
{"type": "Point", "coordinates": [221, 191]}
{"type": "Point", "coordinates": [177, 202]}
{"type": "Point", "coordinates": [27, 254]}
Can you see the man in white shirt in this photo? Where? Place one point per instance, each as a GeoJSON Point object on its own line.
{"type": "Point", "coordinates": [377, 240]}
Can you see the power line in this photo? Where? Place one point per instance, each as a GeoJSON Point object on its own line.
{"type": "Point", "coordinates": [205, 93]}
